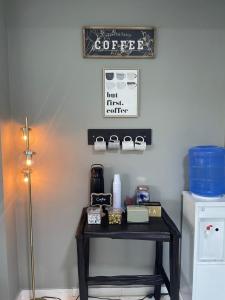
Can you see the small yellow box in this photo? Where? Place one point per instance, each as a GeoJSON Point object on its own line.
{"type": "Point", "coordinates": [155, 211]}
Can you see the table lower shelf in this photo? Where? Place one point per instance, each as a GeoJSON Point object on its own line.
{"type": "Point", "coordinates": [126, 280]}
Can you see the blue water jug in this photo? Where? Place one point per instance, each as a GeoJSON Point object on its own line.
{"type": "Point", "coordinates": [207, 170]}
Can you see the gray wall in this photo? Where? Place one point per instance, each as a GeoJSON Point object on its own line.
{"type": "Point", "coordinates": [3, 92]}
{"type": "Point", "coordinates": [9, 283]}
{"type": "Point", "coordinates": [182, 100]}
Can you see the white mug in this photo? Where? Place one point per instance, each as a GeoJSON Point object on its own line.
{"type": "Point", "coordinates": [100, 144]}
{"type": "Point", "coordinates": [140, 143]}
{"type": "Point", "coordinates": [113, 142]}
{"type": "Point", "coordinates": [127, 143]}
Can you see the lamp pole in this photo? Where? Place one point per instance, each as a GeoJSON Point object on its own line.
{"type": "Point", "coordinates": [27, 171]}
{"type": "Point", "coordinates": [27, 178]}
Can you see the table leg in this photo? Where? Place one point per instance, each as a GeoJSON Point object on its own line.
{"type": "Point", "coordinates": [158, 267]}
{"type": "Point", "coordinates": [82, 268]}
{"type": "Point", "coordinates": [174, 268]}
{"type": "Point", "coordinates": [87, 247]}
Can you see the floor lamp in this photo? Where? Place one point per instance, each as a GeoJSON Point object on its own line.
{"type": "Point", "coordinates": [27, 171]}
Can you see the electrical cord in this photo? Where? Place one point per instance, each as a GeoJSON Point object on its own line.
{"type": "Point", "coordinates": [48, 297]}
{"type": "Point", "coordinates": [149, 296]}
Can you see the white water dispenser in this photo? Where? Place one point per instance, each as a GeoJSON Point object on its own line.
{"type": "Point", "coordinates": [203, 248]}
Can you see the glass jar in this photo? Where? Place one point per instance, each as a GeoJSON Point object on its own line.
{"type": "Point", "coordinates": [94, 215]}
{"type": "Point", "coordinates": [115, 215]}
{"type": "Point", "coordinates": [143, 194]}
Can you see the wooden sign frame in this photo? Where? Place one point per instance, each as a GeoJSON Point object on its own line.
{"type": "Point", "coordinates": [118, 42]}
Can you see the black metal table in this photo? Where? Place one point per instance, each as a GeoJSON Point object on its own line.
{"type": "Point", "coordinates": [159, 230]}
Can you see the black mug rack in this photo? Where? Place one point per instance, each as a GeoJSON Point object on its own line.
{"type": "Point", "coordinates": [121, 133]}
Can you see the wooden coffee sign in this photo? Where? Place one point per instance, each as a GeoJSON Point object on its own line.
{"type": "Point", "coordinates": [118, 42]}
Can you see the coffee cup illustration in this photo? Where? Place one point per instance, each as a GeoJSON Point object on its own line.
{"type": "Point", "coordinates": [109, 76]}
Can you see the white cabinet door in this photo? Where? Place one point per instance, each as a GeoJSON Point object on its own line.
{"type": "Point", "coordinates": [210, 284]}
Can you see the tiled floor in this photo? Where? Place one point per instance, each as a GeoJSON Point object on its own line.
{"type": "Point", "coordinates": [135, 298]}
{"type": "Point", "coordinates": [131, 298]}
{"type": "Point", "coordinates": [162, 298]}
{"type": "Point", "coordinates": [66, 296]}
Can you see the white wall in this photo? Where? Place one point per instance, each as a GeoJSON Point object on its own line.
{"type": "Point", "coordinates": [9, 286]}
{"type": "Point", "coordinates": [182, 100]}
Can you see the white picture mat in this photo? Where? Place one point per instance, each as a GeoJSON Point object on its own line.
{"type": "Point", "coordinates": [120, 93]}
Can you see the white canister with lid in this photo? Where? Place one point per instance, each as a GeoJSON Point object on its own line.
{"type": "Point", "coordinates": [117, 191]}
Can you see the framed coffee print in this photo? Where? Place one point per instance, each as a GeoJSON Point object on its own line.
{"type": "Point", "coordinates": [120, 92]}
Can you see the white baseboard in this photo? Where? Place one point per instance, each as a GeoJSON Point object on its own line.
{"type": "Point", "coordinates": [63, 294]}
{"type": "Point", "coordinates": [71, 294]}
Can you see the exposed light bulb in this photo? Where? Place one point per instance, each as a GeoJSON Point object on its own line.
{"type": "Point", "coordinates": [26, 178]}
{"type": "Point", "coordinates": [29, 161]}
{"type": "Point", "coordinates": [29, 155]}
{"type": "Point", "coordinates": [25, 133]}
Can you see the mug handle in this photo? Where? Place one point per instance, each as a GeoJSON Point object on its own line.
{"type": "Point", "coordinates": [111, 138]}
{"type": "Point", "coordinates": [139, 137]}
{"type": "Point", "coordinates": [99, 137]}
{"type": "Point", "coordinates": [127, 136]}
